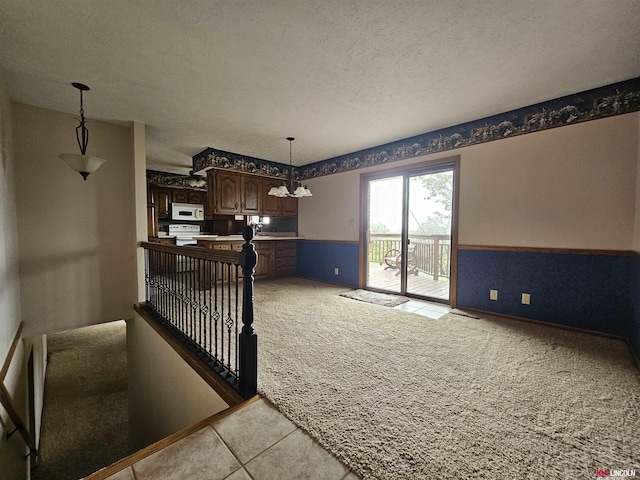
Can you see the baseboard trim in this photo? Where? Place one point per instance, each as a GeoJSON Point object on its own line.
{"type": "Point", "coordinates": [338, 284]}
{"type": "Point", "coordinates": [165, 442]}
{"type": "Point", "coordinates": [543, 323]}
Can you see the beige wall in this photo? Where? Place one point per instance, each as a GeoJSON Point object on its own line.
{"type": "Point", "coordinates": [165, 393]}
{"type": "Point", "coordinates": [568, 187]}
{"type": "Point", "coordinates": [77, 238]}
{"type": "Point", "coordinates": [12, 451]}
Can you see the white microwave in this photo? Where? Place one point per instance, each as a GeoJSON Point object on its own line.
{"type": "Point", "coordinates": [190, 212]}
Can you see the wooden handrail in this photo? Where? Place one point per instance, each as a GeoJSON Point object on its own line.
{"type": "Point", "coordinates": [226, 256]}
{"type": "Point", "coordinates": [7, 402]}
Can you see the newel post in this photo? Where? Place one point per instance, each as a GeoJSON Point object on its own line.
{"type": "Point", "coordinates": [248, 341]}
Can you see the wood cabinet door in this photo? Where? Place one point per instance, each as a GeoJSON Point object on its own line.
{"type": "Point", "coordinates": [151, 198]}
{"type": "Point", "coordinates": [251, 197]}
{"type": "Point", "coordinates": [180, 196]}
{"type": "Point", "coordinates": [210, 199]}
{"type": "Point", "coordinates": [289, 206]}
{"type": "Point", "coordinates": [163, 202]}
{"type": "Point", "coordinates": [271, 205]}
{"type": "Point", "coordinates": [194, 196]}
{"type": "Point", "coordinates": [152, 224]}
{"type": "Point", "coordinates": [227, 193]}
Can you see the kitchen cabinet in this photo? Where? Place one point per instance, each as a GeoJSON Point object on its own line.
{"type": "Point", "coordinates": [184, 195]}
{"type": "Point", "coordinates": [250, 195]}
{"type": "Point", "coordinates": [286, 257]}
{"type": "Point", "coordinates": [163, 202]}
{"type": "Point", "coordinates": [277, 206]}
{"type": "Point", "coordinates": [265, 264]}
{"type": "Point", "coordinates": [196, 196]}
{"type": "Point", "coordinates": [179, 196]}
{"type": "Point", "coordinates": [271, 206]}
{"type": "Point", "coordinates": [152, 223]}
{"type": "Point", "coordinates": [276, 258]}
{"type": "Point", "coordinates": [231, 193]}
{"type": "Point", "coordinates": [289, 206]}
{"type": "Point", "coordinates": [226, 193]}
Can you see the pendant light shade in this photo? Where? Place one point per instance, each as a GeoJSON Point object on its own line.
{"type": "Point", "coordinates": [283, 191]}
{"type": "Point", "coordinates": [82, 163]}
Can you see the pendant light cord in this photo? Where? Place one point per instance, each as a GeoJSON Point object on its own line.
{"type": "Point", "coordinates": [82, 134]}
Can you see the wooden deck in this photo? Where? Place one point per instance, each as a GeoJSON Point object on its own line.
{"type": "Point", "coordinates": [421, 285]}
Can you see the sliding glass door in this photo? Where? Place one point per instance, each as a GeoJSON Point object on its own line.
{"type": "Point", "coordinates": [408, 232]}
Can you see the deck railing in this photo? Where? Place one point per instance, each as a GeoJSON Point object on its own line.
{"type": "Point", "coordinates": [200, 296]}
{"type": "Point", "coordinates": [431, 253]}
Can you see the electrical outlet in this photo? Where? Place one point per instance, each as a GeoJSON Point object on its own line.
{"type": "Point", "coordinates": [526, 299]}
{"type": "Point", "coordinates": [493, 294]}
{"type": "Point", "coordinates": [336, 271]}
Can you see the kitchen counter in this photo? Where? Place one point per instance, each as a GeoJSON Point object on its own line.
{"type": "Point", "coordinates": [238, 238]}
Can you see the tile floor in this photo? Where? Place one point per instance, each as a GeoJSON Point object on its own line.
{"type": "Point", "coordinates": [424, 308]}
{"type": "Point", "coordinates": [256, 442]}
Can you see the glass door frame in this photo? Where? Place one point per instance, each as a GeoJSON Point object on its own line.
{"type": "Point", "coordinates": [406, 171]}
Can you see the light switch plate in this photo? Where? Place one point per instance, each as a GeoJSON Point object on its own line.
{"type": "Point", "coordinates": [526, 299]}
{"type": "Point", "coordinates": [493, 294]}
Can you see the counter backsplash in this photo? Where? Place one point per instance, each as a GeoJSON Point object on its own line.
{"type": "Point", "coordinates": [277, 224]}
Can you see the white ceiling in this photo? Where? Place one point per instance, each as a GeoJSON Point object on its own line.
{"type": "Point", "coordinates": [339, 75]}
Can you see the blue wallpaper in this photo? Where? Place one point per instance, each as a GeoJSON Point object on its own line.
{"type": "Point", "coordinates": [634, 326]}
{"type": "Point", "coordinates": [317, 260]}
{"type": "Point", "coordinates": [591, 292]}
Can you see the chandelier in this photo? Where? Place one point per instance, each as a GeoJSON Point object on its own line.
{"type": "Point", "coordinates": [83, 164]}
{"type": "Point", "coordinates": [282, 190]}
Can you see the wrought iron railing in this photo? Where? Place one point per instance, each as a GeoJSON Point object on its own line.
{"type": "Point", "coordinates": [431, 254]}
{"type": "Point", "coordinates": [200, 296]}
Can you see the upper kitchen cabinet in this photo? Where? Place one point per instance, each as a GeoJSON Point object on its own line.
{"type": "Point", "coordinates": [271, 205]}
{"type": "Point", "coordinates": [226, 192]}
{"type": "Point", "coordinates": [180, 196]}
{"type": "Point", "coordinates": [289, 206]}
{"type": "Point", "coordinates": [277, 206]}
{"type": "Point", "coordinates": [197, 197]}
{"type": "Point", "coordinates": [231, 193]}
{"type": "Point", "coordinates": [163, 202]}
{"type": "Point", "coordinates": [250, 195]}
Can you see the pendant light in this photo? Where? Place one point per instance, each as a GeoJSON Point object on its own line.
{"type": "Point", "coordinates": [283, 191]}
{"type": "Point", "coordinates": [83, 164]}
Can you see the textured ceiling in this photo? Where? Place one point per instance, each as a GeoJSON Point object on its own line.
{"type": "Point", "coordinates": [338, 75]}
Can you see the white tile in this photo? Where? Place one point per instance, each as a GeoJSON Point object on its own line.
{"type": "Point", "coordinates": [253, 429]}
{"type": "Point", "coordinates": [297, 456]}
{"type": "Point", "coordinates": [200, 455]}
{"type": "Point", "coordinates": [406, 307]}
{"type": "Point", "coordinates": [239, 475]}
{"type": "Point", "coordinates": [425, 312]}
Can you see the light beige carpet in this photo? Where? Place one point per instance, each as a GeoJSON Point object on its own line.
{"type": "Point", "coordinates": [400, 396]}
{"type": "Point", "coordinates": [85, 420]}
